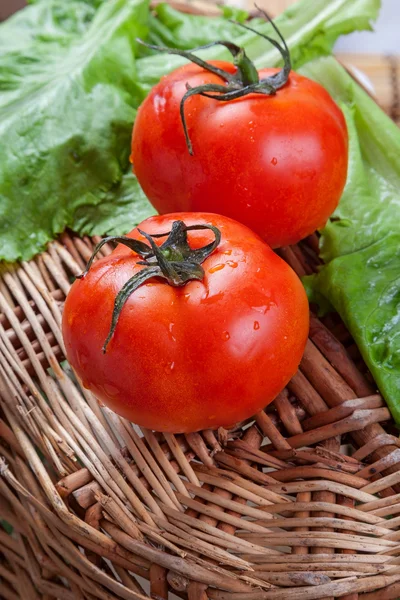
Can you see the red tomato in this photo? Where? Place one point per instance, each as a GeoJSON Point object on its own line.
{"type": "Point", "coordinates": [208, 354]}
{"type": "Point", "coordinates": [278, 163]}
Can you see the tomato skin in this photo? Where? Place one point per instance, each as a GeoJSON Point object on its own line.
{"type": "Point", "coordinates": [208, 354]}
{"type": "Point", "coordinates": [278, 163]}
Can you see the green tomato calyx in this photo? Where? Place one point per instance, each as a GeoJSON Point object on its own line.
{"type": "Point", "coordinates": [245, 80]}
{"type": "Point", "coordinates": [174, 260]}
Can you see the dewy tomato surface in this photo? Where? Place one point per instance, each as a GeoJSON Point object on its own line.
{"type": "Point", "coordinates": [276, 163]}
{"type": "Point", "coordinates": [204, 355]}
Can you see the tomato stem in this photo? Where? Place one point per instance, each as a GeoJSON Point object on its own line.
{"type": "Point", "coordinates": [246, 68]}
{"type": "Point", "coordinates": [174, 260]}
{"type": "Point", "coordinates": [234, 85]}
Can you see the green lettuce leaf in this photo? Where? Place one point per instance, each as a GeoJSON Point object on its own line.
{"type": "Point", "coordinates": [174, 29]}
{"type": "Point", "coordinates": [371, 196]}
{"type": "Point", "coordinates": [361, 242]}
{"type": "Point", "coordinates": [119, 210]}
{"type": "Point", "coordinates": [364, 287]}
{"type": "Point", "coordinates": [309, 28]}
{"type": "Point", "coordinates": [68, 84]}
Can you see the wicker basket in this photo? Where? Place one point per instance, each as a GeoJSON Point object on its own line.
{"type": "Point", "coordinates": [279, 508]}
{"type": "Point", "coordinates": [299, 502]}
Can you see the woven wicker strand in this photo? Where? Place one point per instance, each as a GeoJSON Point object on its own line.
{"type": "Point", "coordinates": [275, 509]}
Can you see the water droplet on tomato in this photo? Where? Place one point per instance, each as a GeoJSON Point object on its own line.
{"type": "Point", "coordinates": [170, 329]}
{"type": "Point", "coordinates": [274, 161]}
{"type": "Point", "coordinates": [186, 296]}
{"type": "Point", "coordinates": [256, 325]}
{"type": "Point", "coordinates": [159, 103]}
{"type": "Point", "coordinates": [216, 297]}
{"type": "Point", "coordinates": [260, 309]}
{"type": "Point", "coordinates": [216, 268]}
{"type": "Point", "coordinates": [225, 336]}
{"type": "Point", "coordinates": [232, 264]}
{"type": "Point", "coordinates": [227, 252]}
{"type": "Point", "coordinates": [169, 367]}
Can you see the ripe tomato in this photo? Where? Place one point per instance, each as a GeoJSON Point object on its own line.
{"type": "Point", "coordinates": [276, 163]}
{"type": "Point", "coordinates": [210, 353]}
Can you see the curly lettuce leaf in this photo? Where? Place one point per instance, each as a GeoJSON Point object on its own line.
{"type": "Point", "coordinates": [174, 29]}
{"type": "Point", "coordinates": [309, 28]}
{"type": "Point", "coordinates": [66, 114]}
{"type": "Point", "coordinates": [119, 210]}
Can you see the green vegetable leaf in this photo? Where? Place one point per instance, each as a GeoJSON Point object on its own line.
{"type": "Point", "coordinates": [120, 209]}
{"type": "Point", "coordinates": [66, 114]}
{"type": "Point", "coordinates": [361, 242]}
{"type": "Point", "coordinates": [309, 28]}
{"type": "Point", "coordinates": [364, 287]}
{"type": "Point", "coordinates": [315, 297]}
{"type": "Point", "coordinates": [371, 196]}
{"type": "Point", "coordinates": [184, 31]}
